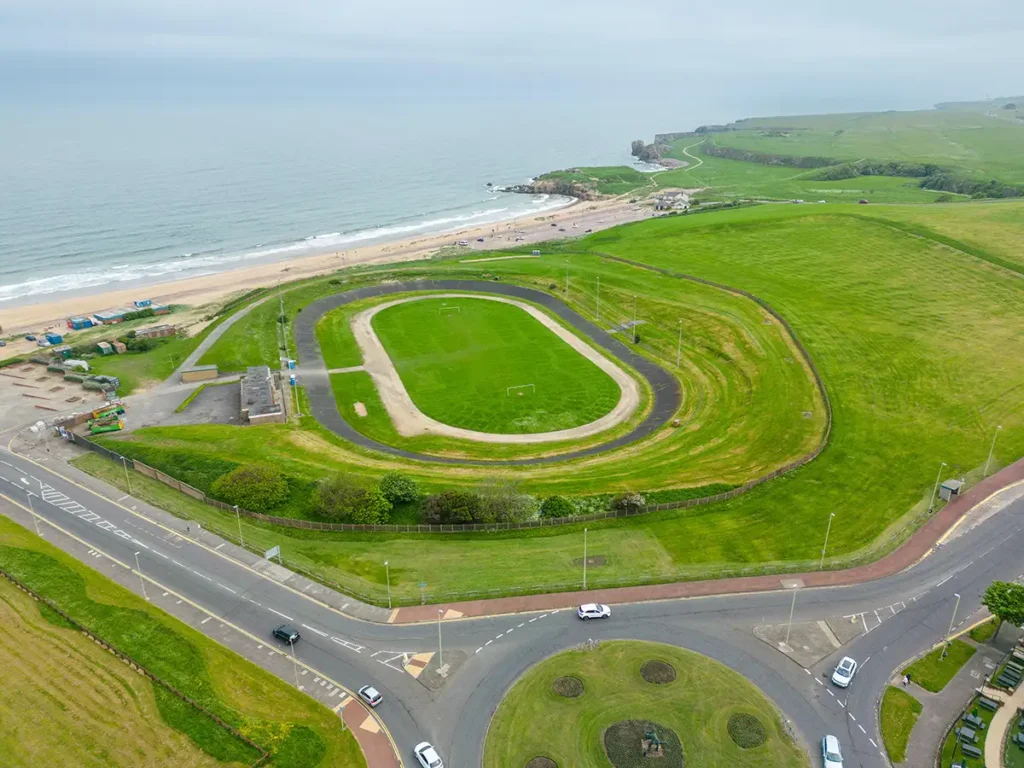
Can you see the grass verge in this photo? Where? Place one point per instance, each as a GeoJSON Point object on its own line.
{"type": "Point", "coordinates": [900, 711]}
{"type": "Point", "coordinates": [983, 632]}
{"type": "Point", "coordinates": [951, 751]}
{"type": "Point", "coordinates": [932, 672]}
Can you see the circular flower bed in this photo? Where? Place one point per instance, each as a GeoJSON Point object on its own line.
{"type": "Point", "coordinates": [746, 731]}
{"type": "Point", "coordinates": [623, 745]}
{"type": "Point", "coordinates": [542, 762]}
{"type": "Point", "coordinates": [569, 687]}
{"type": "Point", "coordinates": [658, 672]}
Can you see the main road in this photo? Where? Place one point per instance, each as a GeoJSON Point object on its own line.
{"type": "Point", "coordinates": [909, 612]}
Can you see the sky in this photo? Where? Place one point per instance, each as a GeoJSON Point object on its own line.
{"type": "Point", "coordinates": [870, 54]}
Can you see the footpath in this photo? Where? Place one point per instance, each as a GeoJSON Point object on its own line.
{"type": "Point", "coordinates": [920, 544]}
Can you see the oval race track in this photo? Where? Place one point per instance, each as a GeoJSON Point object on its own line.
{"type": "Point", "coordinates": [315, 379]}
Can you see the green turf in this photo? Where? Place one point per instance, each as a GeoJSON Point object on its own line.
{"type": "Point", "coordinates": [1013, 755]}
{"type": "Point", "coordinates": [950, 749]}
{"type": "Point", "coordinates": [534, 721]}
{"type": "Point", "coordinates": [932, 672]}
{"type": "Point", "coordinates": [457, 357]}
{"type": "Point", "coordinates": [900, 711]}
{"type": "Point", "coordinates": [982, 633]}
{"type": "Point", "coordinates": [298, 731]}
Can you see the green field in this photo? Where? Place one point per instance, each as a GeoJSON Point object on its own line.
{"type": "Point", "coordinates": [533, 720]}
{"type": "Point", "coordinates": [457, 357]}
{"type": "Point", "coordinates": [932, 672]}
{"type": "Point", "coordinates": [899, 713]}
{"type": "Point", "coordinates": [299, 732]}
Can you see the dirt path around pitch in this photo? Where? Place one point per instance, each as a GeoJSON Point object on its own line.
{"type": "Point", "coordinates": [410, 421]}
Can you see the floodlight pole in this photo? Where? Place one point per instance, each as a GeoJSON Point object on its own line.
{"type": "Point", "coordinates": [991, 448]}
{"type": "Point", "coordinates": [945, 648]}
{"type": "Point", "coordinates": [127, 480]}
{"type": "Point", "coordinates": [32, 511]}
{"type": "Point", "coordinates": [387, 576]}
{"type": "Point", "coordinates": [440, 647]}
{"type": "Point", "coordinates": [295, 663]}
{"type": "Point", "coordinates": [599, 298]}
{"type": "Point", "coordinates": [634, 318]}
{"type": "Point", "coordinates": [238, 517]}
{"type": "Point", "coordinates": [935, 490]}
{"type": "Point", "coordinates": [142, 581]}
{"type": "Point", "coordinates": [567, 278]}
{"type": "Point", "coordinates": [584, 559]}
{"type": "Point", "coordinates": [825, 546]}
{"type": "Point", "coordinates": [679, 345]}
{"type": "Point", "coordinates": [792, 606]}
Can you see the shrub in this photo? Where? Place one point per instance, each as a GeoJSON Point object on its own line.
{"type": "Point", "coordinates": [630, 501]}
{"type": "Point", "coordinates": [452, 507]}
{"type": "Point", "coordinates": [557, 506]}
{"type": "Point", "coordinates": [256, 487]}
{"type": "Point", "coordinates": [345, 498]}
{"type": "Point", "coordinates": [501, 501]}
{"type": "Point", "coordinates": [398, 488]}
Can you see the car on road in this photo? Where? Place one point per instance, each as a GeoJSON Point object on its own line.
{"type": "Point", "coordinates": [427, 755]}
{"type": "Point", "coordinates": [370, 695]}
{"type": "Point", "coordinates": [831, 755]}
{"type": "Point", "coordinates": [844, 673]}
{"type": "Point", "coordinates": [288, 633]}
{"type": "Point", "coordinates": [594, 611]}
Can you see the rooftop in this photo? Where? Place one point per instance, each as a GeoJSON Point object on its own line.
{"type": "Point", "coordinates": [258, 392]}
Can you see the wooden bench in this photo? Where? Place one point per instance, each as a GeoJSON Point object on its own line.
{"type": "Point", "coordinates": [988, 703]}
{"type": "Point", "coordinates": [966, 735]}
{"type": "Point", "coordinates": [975, 722]}
{"type": "Point", "coordinates": [970, 750]}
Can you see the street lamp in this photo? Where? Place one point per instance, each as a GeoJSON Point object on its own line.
{"type": "Point", "coordinates": [440, 647]}
{"type": "Point", "coordinates": [584, 559]}
{"type": "Point", "coordinates": [991, 448]}
{"type": "Point", "coordinates": [935, 490]}
{"type": "Point", "coordinates": [127, 480]}
{"type": "Point", "coordinates": [827, 531]}
{"type": "Point", "coordinates": [295, 663]}
{"type": "Point", "coordinates": [238, 517]}
{"type": "Point", "coordinates": [142, 581]}
{"type": "Point", "coordinates": [952, 618]}
{"type": "Point", "coordinates": [32, 512]}
{"type": "Point", "coordinates": [679, 345]}
{"type": "Point", "coordinates": [387, 575]}
{"type": "Point", "coordinates": [792, 606]}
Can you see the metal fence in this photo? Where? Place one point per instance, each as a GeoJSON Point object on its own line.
{"type": "Point", "coordinates": [137, 667]}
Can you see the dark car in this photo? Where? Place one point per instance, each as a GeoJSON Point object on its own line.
{"type": "Point", "coordinates": [288, 633]}
{"type": "Point", "coordinates": [30, 337]}
{"type": "Point", "coordinates": [479, 239]}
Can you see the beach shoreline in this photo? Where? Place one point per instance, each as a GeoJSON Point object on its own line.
{"type": "Point", "coordinates": [575, 219]}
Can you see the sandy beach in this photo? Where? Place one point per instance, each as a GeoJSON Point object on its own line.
{"type": "Point", "coordinates": [575, 219]}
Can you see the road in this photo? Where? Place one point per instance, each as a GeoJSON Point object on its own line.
{"type": "Point", "coordinates": [904, 614]}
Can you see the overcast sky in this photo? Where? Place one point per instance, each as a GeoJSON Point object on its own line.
{"type": "Point", "coordinates": [911, 51]}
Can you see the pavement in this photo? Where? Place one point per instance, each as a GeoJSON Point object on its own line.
{"type": "Point", "coordinates": [1004, 719]}
{"type": "Point", "coordinates": [234, 597]}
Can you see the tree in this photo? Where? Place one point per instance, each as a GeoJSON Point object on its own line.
{"type": "Point", "coordinates": [1005, 600]}
{"type": "Point", "coordinates": [344, 497]}
{"type": "Point", "coordinates": [398, 488]}
{"type": "Point", "coordinates": [630, 502]}
{"type": "Point", "coordinates": [256, 487]}
{"type": "Point", "coordinates": [502, 501]}
{"type": "Point", "coordinates": [557, 506]}
{"type": "Point", "coordinates": [452, 507]}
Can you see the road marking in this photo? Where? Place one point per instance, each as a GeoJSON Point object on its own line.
{"type": "Point", "coordinates": [862, 729]}
{"type": "Point", "coordinates": [140, 543]}
{"type": "Point", "coordinates": [229, 589]}
{"type": "Point", "coordinates": [479, 649]}
{"type": "Point", "coordinates": [523, 624]}
{"type": "Point", "coordinates": [314, 629]}
{"type": "Point", "coordinates": [500, 636]}
{"type": "Point", "coordinates": [220, 545]}
{"type": "Point", "coordinates": [206, 619]}
{"type": "Point", "coordinates": [945, 580]}
{"type": "Point", "coordinates": [488, 643]}
{"type": "Point", "coordinates": [842, 704]}
{"type": "Point", "coordinates": [866, 630]}
{"type": "Point", "coordinates": [533, 619]}
{"type": "Point", "coordinates": [542, 616]}
{"type": "Point", "coordinates": [830, 693]}
{"type": "Point", "coordinates": [509, 631]}
{"type": "Point", "coordinates": [807, 671]}
{"type": "Point", "coordinates": [852, 717]}
{"type": "Point", "coordinates": [289, 618]}
{"type": "Point", "coordinates": [873, 744]}
{"type": "Point", "coordinates": [165, 557]}
{"type": "Point", "coordinates": [818, 681]}
{"type": "Point", "coordinates": [865, 662]}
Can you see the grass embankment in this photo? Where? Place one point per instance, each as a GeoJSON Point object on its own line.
{"type": "Point", "coordinates": [458, 357]}
{"type": "Point", "coordinates": [900, 711]}
{"type": "Point", "coordinates": [533, 720]}
{"type": "Point", "coordinates": [932, 672]}
{"type": "Point", "coordinates": [983, 632]}
{"type": "Point", "coordinates": [951, 752]}
{"type": "Point", "coordinates": [918, 374]}
{"type": "Point", "coordinates": [86, 706]}
{"type": "Point", "coordinates": [297, 730]}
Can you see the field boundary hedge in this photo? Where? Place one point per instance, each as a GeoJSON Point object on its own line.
{"type": "Point", "coordinates": [137, 667]}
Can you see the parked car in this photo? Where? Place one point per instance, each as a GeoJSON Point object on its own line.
{"type": "Point", "coordinates": [427, 755]}
{"type": "Point", "coordinates": [370, 695]}
{"type": "Point", "coordinates": [3, 343]}
{"type": "Point", "coordinates": [463, 242]}
{"type": "Point", "coordinates": [831, 755]}
{"type": "Point", "coordinates": [844, 672]}
{"type": "Point", "coordinates": [479, 239]}
{"type": "Point", "coordinates": [30, 337]}
{"type": "Point", "coordinates": [288, 633]}
{"type": "Point", "coordinates": [594, 611]}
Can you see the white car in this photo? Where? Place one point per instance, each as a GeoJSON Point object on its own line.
{"type": "Point", "coordinates": [370, 695]}
{"type": "Point", "coordinates": [844, 672]}
{"type": "Point", "coordinates": [830, 754]}
{"type": "Point", "coordinates": [594, 611]}
{"type": "Point", "coordinates": [427, 755]}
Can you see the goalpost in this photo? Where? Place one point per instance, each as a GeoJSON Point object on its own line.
{"type": "Point", "coordinates": [444, 309]}
{"type": "Point", "coordinates": [520, 389]}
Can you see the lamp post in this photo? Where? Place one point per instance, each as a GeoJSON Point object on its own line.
{"type": "Point", "coordinates": [634, 318]}
{"type": "Point", "coordinates": [584, 559]}
{"type": "Point", "coordinates": [238, 517]}
{"type": "Point", "coordinates": [387, 576]}
{"type": "Point", "coordinates": [792, 606]}
{"type": "Point", "coordinates": [991, 448]}
{"type": "Point", "coordinates": [32, 512]}
{"type": "Point", "coordinates": [142, 581]}
{"type": "Point", "coordinates": [295, 663]}
{"type": "Point", "coordinates": [440, 647]}
{"type": "Point", "coordinates": [566, 277]}
{"type": "Point", "coordinates": [124, 463]}
{"type": "Point", "coordinates": [935, 490]}
{"type": "Point", "coordinates": [825, 546]}
{"type": "Point", "coordinates": [952, 618]}
{"type": "Point", "coordinates": [599, 298]}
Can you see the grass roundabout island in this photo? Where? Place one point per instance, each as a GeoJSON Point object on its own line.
{"type": "Point", "coordinates": [606, 724]}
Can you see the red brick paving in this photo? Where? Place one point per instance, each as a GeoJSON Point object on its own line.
{"type": "Point", "coordinates": [376, 747]}
{"type": "Point", "coordinates": [916, 547]}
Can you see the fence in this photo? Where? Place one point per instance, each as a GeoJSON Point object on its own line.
{"type": "Point", "coordinates": [137, 667]}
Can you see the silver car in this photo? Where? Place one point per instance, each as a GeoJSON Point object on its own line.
{"type": "Point", "coordinates": [594, 611]}
{"type": "Point", "coordinates": [844, 672]}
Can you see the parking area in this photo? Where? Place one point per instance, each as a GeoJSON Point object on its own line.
{"type": "Point", "coordinates": [220, 404]}
{"type": "Point", "coordinates": [29, 392]}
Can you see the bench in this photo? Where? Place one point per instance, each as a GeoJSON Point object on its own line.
{"type": "Point", "coordinates": [1006, 682]}
{"type": "Point", "coordinates": [970, 750]}
{"type": "Point", "coordinates": [966, 734]}
{"type": "Point", "coordinates": [1018, 739]}
{"type": "Point", "coordinates": [975, 722]}
{"type": "Point", "coordinates": [988, 703]}
{"type": "Point", "coordinates": [1015, 666]}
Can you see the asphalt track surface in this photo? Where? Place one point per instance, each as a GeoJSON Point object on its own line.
{"type": "Point", "coordinates": [910, 612]}
{"type": "Point", "coordinates": [315, 379]}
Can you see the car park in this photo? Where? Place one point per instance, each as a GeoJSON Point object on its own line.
{"type": "Point", "coordinates": [288, 633]}
{"type": "Point", "coordinates": [427, 755]}
{"type": "Point", "coordinates": [831, 755]}
{"type": "Point", "coordinates": [844, 673]}
{"type": "Point", "coordinates": [593, 611]}
{"type": "Point", "coordinates": [370, 695]}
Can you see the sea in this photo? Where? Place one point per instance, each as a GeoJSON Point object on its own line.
{"type": "Point", "coordinates": [107, 196]}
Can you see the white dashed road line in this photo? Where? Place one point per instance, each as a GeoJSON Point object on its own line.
{"type": "Point", "coordinates": [289, 618]}
{"type": "Point", "coordinates": [314, 629]}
